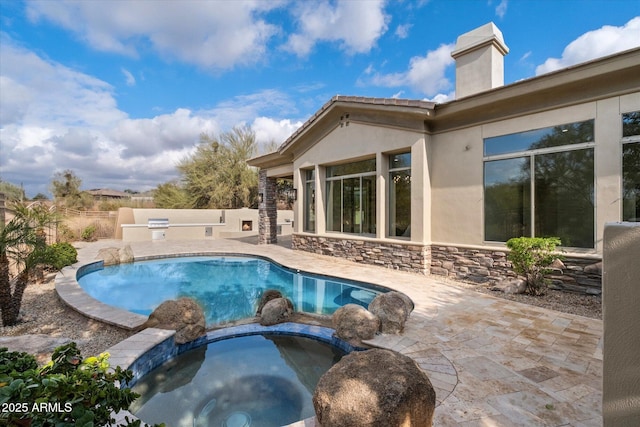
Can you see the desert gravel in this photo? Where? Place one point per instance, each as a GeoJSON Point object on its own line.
{"type": "Point", "coordinates": [44, 313]}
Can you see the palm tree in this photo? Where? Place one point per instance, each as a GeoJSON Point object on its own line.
{"type": "Point", "coordinates": [22, 249]}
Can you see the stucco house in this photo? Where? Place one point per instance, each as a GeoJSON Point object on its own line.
{"type": "Point", "coordinates": [440, 187]}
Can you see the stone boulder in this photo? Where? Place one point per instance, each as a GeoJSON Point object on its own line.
{"type": "Point", "coordinates": [393, 309]}
{"type": "Point", "coordinates": [267, 295]}
{"type": "Point", "coordinates": [354, 323]}
{"type": "Point", "coordinates": [276, 311]}
{"type": "Point", "coordinates": [109, 256]}
{"type": "Point", "coordinates": [516, 285]}
{"type": "Point", "coordinates": [594, 268]}
{"type": "Point", "coordinates": [115, 256]}
{"type": "Point", "coordinates": [126, 255]}
{"type": "Point", "coordinates": [374, 388]}
{"type": "Point", "coordinates": [184, 316]}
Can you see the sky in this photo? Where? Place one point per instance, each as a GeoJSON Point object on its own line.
{"type": "Point", "coordinates": [120, 91]}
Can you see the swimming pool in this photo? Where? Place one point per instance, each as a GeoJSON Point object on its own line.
{"type": "Point", "coordinates": [262, 379]}
{"type": "Point", "coordinates": [227, 287]}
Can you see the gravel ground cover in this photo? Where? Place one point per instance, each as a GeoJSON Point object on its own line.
{"type": "Point", "coordinates": [44, 313]}
{"type": "Point", "coordinates": [566, 302]}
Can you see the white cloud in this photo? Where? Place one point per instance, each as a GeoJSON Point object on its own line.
{"type": "Point", "coordinates": [595, 44]}
{"type": "Point", "coordinates": [402, 32]}
{"type": "Point", "coordinates": [211, 34]}
{"type": "Point", "coordinates": [56, 118]}
{"type": "Point", "coordinates": [355, 25]}
{"type": "Point", "coordinates": [525, 56]}
{"type": "Point", "coordinates": [442, 97]}
{"type": "Point", "coordinates": [34, 89]}
{"type": "Point", "coordinates": [148, 137]}
{"type": "Point", "coordinates": [129, 79]}
{"type": "Point", "coordinates": [425, 74]}
{"type": "Point", "coordinates": [501, 9]}
{"type": "Point", "coordinates": [270, 130]}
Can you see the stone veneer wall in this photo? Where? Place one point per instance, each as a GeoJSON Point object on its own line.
{"type": "Point", "coordinates": [463, 264]}
{"type": "Point", "coordinates": [267, 210]}
{"type": "Point", "coordinates": [398, 256]}
{"type": "Point", "coordinates": [490, 266]}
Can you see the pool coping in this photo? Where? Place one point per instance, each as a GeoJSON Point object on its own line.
{"type": "Point", "coordinates": [72, 294]}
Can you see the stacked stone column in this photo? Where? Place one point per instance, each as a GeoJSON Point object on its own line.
{"type": "Point", "coordinates": [267, 210]}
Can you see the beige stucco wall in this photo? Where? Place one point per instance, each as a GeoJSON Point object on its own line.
{"type": "Point", "coordinates": [457, 168]}
{"type": "Point", "coordinates": [478, 71]}
{"type": "Point", "coordinates": [456, 180]}
{"type": "Point", "coordinates": [360, 141]}
{"type": "Point", "coordinates": [621, 318]}
{"type": "Point", "coordinates": [188, 224]}
{"type": "Point", "coordinates": [447, 170]}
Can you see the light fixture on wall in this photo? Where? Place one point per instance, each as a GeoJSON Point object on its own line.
{"type": "Point", "coordinates": [260, 197]}
{"type": "Point", "coordinates": [292, 194]}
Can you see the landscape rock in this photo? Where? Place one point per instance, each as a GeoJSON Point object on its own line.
{"type": "Point", "coordinates": [184, 316]}
{"type": "Point", "coordinates": [511, 286]}
{"type": "Point", "coordinates": [276, 311]}
{"type": "Point", "coordinates": [267, 296]}
{"type": "Point", "coordinates": [374, 388]}
{"type": "Point", "coordinates": [115, 256]}
{"type": "Point", "coordinates": [594, 268]}
{"type": "Point", "coordinates": [393, 309]}
{"type": "Point", "coordinates": [109, 256]}
{"type": "Point", "coordinates": [126, 255]}
{"type": "Point", "coordinates": [354, 323]}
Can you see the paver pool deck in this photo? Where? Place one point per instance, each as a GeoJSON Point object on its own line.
{"type": "Point", "coordinates": [492, 362]}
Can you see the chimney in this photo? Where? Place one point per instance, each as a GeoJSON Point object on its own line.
{"type": "Point", "coordinates": [479, 56]}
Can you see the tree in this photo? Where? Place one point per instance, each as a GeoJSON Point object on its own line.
{"type": "Point", "coordinates": [11, 192]}
{"type": "Point", "coordinates": [65, 184]}
{"type": "Point", "coordinates": [23, 248]}
{"type": "Point", "coordinates": [65, 187]}
{"type": "Point", "coordinates": [216, 176]}
{"type": "Point", "coordinates": [171, 195]}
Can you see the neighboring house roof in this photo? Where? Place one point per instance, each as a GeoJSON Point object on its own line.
{"type": "Point", "coordinates": [105, 192]}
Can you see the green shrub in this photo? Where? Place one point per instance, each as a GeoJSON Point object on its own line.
{"type": "Point", "coordinates": [531, 258]}
{"type": "Point", "coordinates": [61, 255]}
{"type": "Point", "coordinates": [66, 391]}
{"type": "Point", "coordinates": [89, 233]}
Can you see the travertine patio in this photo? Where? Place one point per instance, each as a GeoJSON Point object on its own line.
{"type": "Point", "coordinates": [492, 362]}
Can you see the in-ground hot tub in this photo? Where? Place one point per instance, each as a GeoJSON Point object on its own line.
{"type": "Point", "coordinates": [242, 376]}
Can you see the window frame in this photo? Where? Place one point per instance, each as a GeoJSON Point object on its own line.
{"type": "Point", "coordinates": [330, 178]}
{"type": "Point", "coordinates": [390, 208]}
{"type": "Point", "coordinates": [531, 154]}
{"type": "Point", "coordinates": [625, 140]}
{"type": "Point", "coordinates": [309, 198]}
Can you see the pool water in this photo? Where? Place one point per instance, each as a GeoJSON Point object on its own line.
{"type": "Point", "coordinates": [227, 287]}
{"type": "Point", "coordinates": [258, 380]}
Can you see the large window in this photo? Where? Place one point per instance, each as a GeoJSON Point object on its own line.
{"type": "Point", "coordinates": [631, 167]}
{"type": "Point", "coordinates": [351, 197]}
{"type": "Point", "coordinates": [400, 195]}
{"type": "Point", "coordinates": [310, 200]}
{"type": "Point", "coordinates": [541, 183]}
